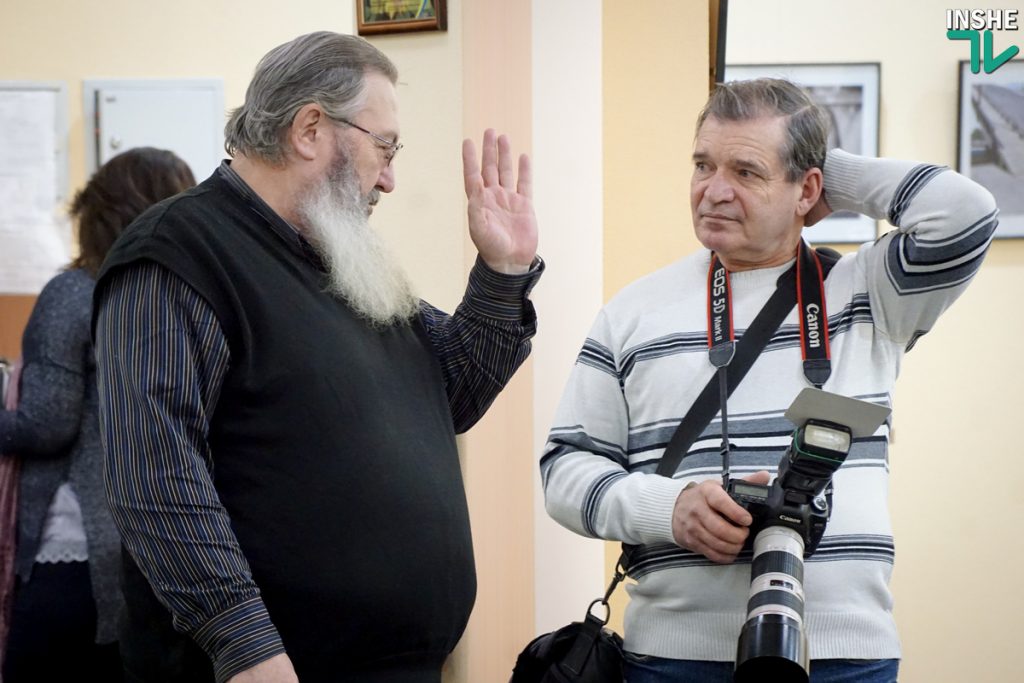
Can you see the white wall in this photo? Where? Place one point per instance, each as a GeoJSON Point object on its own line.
{"type": "Point", "coordinates": [568, 196]}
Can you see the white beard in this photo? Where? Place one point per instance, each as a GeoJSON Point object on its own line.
{"type": "Point", "coordinates": [361, 268]}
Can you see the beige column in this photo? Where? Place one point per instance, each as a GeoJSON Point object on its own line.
{"type": "Point", "coordinates": [498, 460]}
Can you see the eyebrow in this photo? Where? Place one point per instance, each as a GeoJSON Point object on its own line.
{"type": "Point", "coordinates": [737, 162]}
{"type": "Point", "coordinates": [745, 162]}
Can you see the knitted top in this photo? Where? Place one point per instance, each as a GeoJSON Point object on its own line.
{"type": "Point", "coordinates": [646, 360]}
{"type": "Point", "coordinates": [55, 431]}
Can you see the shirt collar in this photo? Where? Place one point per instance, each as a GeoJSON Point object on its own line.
{"type": "Point", "coordinates": [288, 232]}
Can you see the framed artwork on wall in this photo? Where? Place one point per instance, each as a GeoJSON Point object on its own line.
{"type": "Point", "coordinates": [990, 143]}
{"type": "Point", "coordinates": [850, 94]}
{"type": "Point", "coordinates": [374, 17]}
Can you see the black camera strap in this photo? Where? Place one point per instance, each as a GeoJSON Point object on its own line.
{"type": "Point", "coordinates": [802, 284]}
{"type": "Point", "coordinates": [721, 347]}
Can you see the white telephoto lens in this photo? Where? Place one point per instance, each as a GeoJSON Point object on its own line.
{"type": "Point", "coordinates": [779, 538]}
{"type": "Point", "coordinates": [776, 580]}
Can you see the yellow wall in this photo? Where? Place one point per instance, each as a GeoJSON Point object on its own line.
{"type": "Point", "coordinates": [655, 83]}
{"type": "Point", "coordinates": [655, 65]}
{"type": "Point", "coordinates": [67, 40]}
{"type": "Point", "coordinates": [956, 479]}
{"type": "Point", "coordinates": [72, 40]}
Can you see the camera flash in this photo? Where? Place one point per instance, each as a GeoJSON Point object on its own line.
{"type": "Point", "coordinates": [824, 437]}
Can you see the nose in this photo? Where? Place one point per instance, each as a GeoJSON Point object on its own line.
{"type": "Point", "coordinates": [386, 179]}
{"type": "Point", "coordinates": [718, 189]}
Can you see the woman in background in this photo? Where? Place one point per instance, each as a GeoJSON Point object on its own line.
{"type": "Point", "coordinates": [67, 598]}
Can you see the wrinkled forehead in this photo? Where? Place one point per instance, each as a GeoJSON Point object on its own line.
{"type": "Point", "coordinates": [763, 134]}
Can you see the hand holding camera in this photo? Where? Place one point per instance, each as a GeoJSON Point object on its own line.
{"type": "Point", "coordinates": [708, 521]}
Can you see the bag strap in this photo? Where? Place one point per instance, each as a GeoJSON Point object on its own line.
{"type": "Point", "coordinates": [592, 625]}
{"type": "Point", "coordinates": [748, 348]}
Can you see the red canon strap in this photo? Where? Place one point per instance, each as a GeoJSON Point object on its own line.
{"type": "Point", "coordinates": [810, 293]}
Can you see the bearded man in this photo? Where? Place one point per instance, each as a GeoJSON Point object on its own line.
{"type": "Point", "coordinates": [279, 409]}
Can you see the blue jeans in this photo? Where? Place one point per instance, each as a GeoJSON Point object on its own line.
{"type": "Point", "coordinates": [648, 669]}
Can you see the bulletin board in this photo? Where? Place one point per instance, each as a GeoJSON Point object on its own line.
{"type": "Point", "coordinates": [35, 234]}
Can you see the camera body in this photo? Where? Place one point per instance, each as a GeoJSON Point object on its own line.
{"type": "Point", "coordinates": [799, 497]}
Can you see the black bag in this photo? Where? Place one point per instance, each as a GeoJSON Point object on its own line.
{"type": "Point", "coordinates": [582, 652]}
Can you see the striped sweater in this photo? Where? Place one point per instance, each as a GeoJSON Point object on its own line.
{"type": "Point", "coordinates": [645, 361]}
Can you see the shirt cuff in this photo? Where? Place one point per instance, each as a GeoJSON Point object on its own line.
{"type": "Point", "coordinates": [501, 296]}
{"type": "Point", "coordinates": [239, 638]}
{"type": "Point", "coordinates": [654, 509]}
{"type": "Point", "coordinates": [842, 180]}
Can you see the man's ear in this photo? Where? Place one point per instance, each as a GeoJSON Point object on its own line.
{"type": "Point", "coordinates": [307, 134]}
{"type": "Point", "coordinates": [810, 191]}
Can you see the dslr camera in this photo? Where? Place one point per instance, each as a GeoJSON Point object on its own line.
{"type": "Point", "coordinates": [790, 515]}
{"type": "Point", "coordinates": [799, 498]}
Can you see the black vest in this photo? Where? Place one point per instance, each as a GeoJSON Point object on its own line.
{"type": "Point", "coordinates": [333, 448]}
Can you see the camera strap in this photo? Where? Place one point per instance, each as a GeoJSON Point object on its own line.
{"type": "Point", "coordinates": [810, 292]}
{"type": "Point", "coordinates": [802, 284]}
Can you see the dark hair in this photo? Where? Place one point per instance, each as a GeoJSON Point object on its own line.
{"type": "Point", "coordinates": [323, 67]}
{"type": "Point", "coordinates": [117, 193]}
{"type": "Point", "coordinates": [807, 127]}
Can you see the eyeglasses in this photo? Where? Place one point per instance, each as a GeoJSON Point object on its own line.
{"type": "Point", "coordinates": [390, 147]}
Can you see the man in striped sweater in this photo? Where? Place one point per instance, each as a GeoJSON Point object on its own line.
{"type": "Point", "coordinates": [761, 174]}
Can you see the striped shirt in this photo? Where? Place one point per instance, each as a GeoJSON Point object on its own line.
{"type": "Point", "coordinates": [163, 358]}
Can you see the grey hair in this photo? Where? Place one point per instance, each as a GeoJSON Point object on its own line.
{"type": "Point", "coordinates": [323, 67]}
{"type": "Point", "coordinates": [807, 125]}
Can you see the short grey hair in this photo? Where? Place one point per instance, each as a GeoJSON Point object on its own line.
{"type": "Point", "coordinates": [807, 125]}
{"type": "Point", "coordinates": [323, 67]}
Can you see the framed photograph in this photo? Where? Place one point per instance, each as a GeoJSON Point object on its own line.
{"type": "Point", "coordinates": [850, 94]}
{"type": "Point", "coordinates": [374, 17]}
{"type": "Point", "coordinates": [990, 147]}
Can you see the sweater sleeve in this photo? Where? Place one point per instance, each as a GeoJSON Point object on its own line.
{"type": "Point", "coordinates": [944, 223]}
{"type": "Point", "coordinates": [587, 487]}
{"type": "Point", "coordinates": [162, 361]}
{"type": "Point", "coordinates": [57, 358]}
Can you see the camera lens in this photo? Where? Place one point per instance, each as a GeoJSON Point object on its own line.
{"type": "Point", "coordinates": [773, 641]}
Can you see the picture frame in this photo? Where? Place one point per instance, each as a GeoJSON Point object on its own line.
{"type": "Point", "coordinates": [719, 15]}
{"type": "Point", "coordinates": [375, 17]}
{"type": "Point", "coordinates": [850, 93]}
{"type": "Point", "coordinates": [990, 138]}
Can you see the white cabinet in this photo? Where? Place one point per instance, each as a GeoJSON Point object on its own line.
{"type": "Point", "coordinates": [184, 116]}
